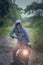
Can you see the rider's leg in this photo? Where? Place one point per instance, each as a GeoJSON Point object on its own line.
{"type": "Point", "coordinates": [14, 51]}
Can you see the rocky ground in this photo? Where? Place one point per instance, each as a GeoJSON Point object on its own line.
{"type": "Point", "coordinates": [5, 51]}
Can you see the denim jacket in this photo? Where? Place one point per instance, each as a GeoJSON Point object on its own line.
{"type": "Point", "coordinates": [21, 34]}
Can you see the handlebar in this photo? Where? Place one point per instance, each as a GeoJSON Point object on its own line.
{"type": "Point", "coordinates": [20, 40]}
{"type": "Point", "coordinates": [16, 38]}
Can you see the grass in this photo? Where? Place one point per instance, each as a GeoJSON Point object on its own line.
{"type": "Point", "coordinates": [4, 31]}
{"type": "Point", "coordinates": [26, 24]}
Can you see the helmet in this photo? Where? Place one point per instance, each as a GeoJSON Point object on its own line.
{"type": "Point", "coordinates": [18, 22]}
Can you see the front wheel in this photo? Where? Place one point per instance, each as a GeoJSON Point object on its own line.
{"type": "Point", "coordinates": [26, 63]}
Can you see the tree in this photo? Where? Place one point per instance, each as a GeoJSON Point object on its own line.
{"type": "Point", "coordinates": [14, 12]}
{"type": "Point", "coordinates": [4, 7]}
{"type": "Point", "coordinates": [30, 7]}
{"type": "Point", "coordinates": [9, 12]}
{"type": "Point", "coordinates": [34, 7]}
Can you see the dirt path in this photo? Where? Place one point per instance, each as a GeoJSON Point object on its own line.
{"type": "Point", "coordinates": [6, 45]}
{"type": "Point", "coordinates": [5, 51]}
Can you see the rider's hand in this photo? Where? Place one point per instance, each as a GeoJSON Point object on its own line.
{"type": "Point", "coordinates": [29, 44]}
{"type": "Point", "coordinates": [12, 37]}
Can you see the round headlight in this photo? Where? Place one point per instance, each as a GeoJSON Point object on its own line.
{"type": "Point", "coordinates": [25, 52]}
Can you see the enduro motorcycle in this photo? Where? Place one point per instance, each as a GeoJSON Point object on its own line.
{"type": "Point", "coordinates": [22, 55]}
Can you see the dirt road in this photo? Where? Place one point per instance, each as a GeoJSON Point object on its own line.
{"type": "Point", "coordinates": [6, 46]}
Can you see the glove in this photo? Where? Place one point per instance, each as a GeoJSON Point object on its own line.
{"type": "Point", "coordinates": [29, 44]}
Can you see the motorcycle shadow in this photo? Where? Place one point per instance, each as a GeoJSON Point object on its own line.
{"type": "Point", "coordinates": [16, 63]}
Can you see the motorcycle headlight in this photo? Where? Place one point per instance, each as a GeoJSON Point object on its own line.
{"type": "Point", "coordinates": [25, 52]}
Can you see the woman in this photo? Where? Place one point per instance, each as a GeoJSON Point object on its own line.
{"type": "Point", "coordinates": [21, 35]}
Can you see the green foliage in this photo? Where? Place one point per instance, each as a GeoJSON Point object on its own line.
{"type": "Point", "coordinates": [34, 7]}
{"type": "Point", "coordinates": [5, 31]}
{"type": "Point", "coordinates": [36, 24]}
{"type": "Point", "coordinates": [14, 12]}
{"type": "Point", "coordinates": [27, 24]}
{"type": "Point", "coordinates": [4, 7]}
{"type": "Point", "coordinates": [37, 36]}
{"type": "Point", "coordinates": [7, 20]}
{"type": "Point", "coordinates": [11, 16]}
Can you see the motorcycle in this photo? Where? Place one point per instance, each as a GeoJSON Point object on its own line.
{"type": "Point", "coordinates": [22, 55]}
